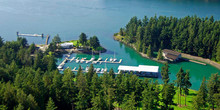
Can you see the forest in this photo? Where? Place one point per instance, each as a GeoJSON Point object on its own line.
{"type": "Point", "coordinates": [30, 80]}
{"type": "Point", "coordinates": [191, 35]}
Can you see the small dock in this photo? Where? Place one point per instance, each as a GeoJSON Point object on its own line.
{"type": "Point", "coordinates": [197, 62]}
{"type": "Point", "coordinates": [30, 35]}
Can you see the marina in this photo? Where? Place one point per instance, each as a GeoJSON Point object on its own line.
{"type": "Point", "coordinates": [78, 60]}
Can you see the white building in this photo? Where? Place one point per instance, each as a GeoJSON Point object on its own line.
{"type": "Point", "coordinates": [67, 45]}
{"type": "Point", "coordinates": [141, 70]}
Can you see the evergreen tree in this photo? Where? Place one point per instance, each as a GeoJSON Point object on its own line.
{"type": "Point", "coordinates": [150, 96]}
{"type": "Point", "coordinates": [1, 42]}
{"type": "Point", "coordinates": [94, 42]}
{"type": "Point", "coordinates": [51, 105]}
{"type": "Point", "coordinates": [168, 93]}
{"type": "Point", "coordinates": [144, 48]}
{"type": "Point", "coordinates": [98, 102]}
{"type": "Point", "coordinates": [201, 98]}
{"type": "Point", "coordinates": [112, 73]}
{"type": "Point", "coordinates": [187, 84]}
{"type": "Point", "coordinates": [213, 87]}
{"type": "Point", "coordinates": [179, 81]}
{"type": "Point", "coordinates": [121, 32]}
{"type": "Point", "coordinates": [149, 51]}
{"type": "Point", "coordinates": [159, 55]}
{"type": "Point", "coordinates": [217, 53]}
{"type": "Point", "coordinates": [90, 73]}
{"type": "Point", "coordinates": [83, 94]}
{"type": "Point", "coordinates": [165, 73]}
{"type": "Point", "coordinates": [83, 38]}
{"type": "Point", "coordinates": [56, 39]}
{"type": "Point", "coordinates": [129, 102]}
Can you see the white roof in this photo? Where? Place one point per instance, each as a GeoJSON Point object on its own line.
{"type": "Point", "coordinates": [140, 68]}
{"type": "Point", "coordinates": [66, 44]}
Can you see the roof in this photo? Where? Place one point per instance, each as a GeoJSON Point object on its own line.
{"type": "Point", "coordinates": [140, 68]}
{"type": "Point", "coordinates": [66, 44]}
{"type": "Point", "coordinates": [171, 52]}
{"type": "Point", "coordinates": [170, 56]}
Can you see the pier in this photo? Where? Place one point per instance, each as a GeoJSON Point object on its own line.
{"type": "Point", "coordinates": [30, 35]}
{"type": "Point", "coordinates": [197, 62]}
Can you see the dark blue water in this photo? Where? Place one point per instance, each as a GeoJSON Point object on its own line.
{"type": "Point", "coordinates": [103, 18]}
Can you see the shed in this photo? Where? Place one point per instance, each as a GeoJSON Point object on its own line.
{"type": "Point", "coordinates": [171, 55]}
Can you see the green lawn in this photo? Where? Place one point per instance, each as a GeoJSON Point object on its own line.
{"type": "Point", "coordinates": [189, 101]}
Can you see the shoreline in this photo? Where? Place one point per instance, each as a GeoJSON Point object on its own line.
{"type": "Point", "coordinates": [142, 54]}
{"type": "Point", "coordinates": [188, 56]}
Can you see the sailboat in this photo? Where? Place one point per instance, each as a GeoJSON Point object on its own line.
{"type": "Point", "coordinates": [114, 59]}
{"type": "Point", "coordinates": [105, 70]}
{"type": "Point", "coordinates": [92, 59]}
{"type": "Point", "coordinates": [100, 58]}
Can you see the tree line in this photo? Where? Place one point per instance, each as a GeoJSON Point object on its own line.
{"type": "Point", "coordinates": [30, 80]}
{"type": "Point", "coordinates": [191, 34]}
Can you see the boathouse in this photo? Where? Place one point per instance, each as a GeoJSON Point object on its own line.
{"type": "Point", "coordinates": [141, 70]}
{"type": "Point", "coordinates": [171, 55]}
{"type": "Point", "coordinates": [67, 45]}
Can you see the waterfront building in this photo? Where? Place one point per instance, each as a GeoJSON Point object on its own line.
{"type": "Point", "coordinates": [171, 55]}
{"type": "Point", "coordinates": [141, 70]}
{"type": "Point", "coordinates": [67, 45]}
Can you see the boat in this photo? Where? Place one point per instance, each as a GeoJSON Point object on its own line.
{"type": "Point", "coordinates": [102, 70]}
{"type": "Point", "coordinates": [82, 60]}
{"type": "Point", "coordinates": [94, 62]}
{"type": "Point", "coordinates": [87, 61]}
{"type": "Point", "coordinates": [114, 59]}
{"type": "Point", "coordinates": [110, 59]}
{"type": "Point", "coordinates": [100, 58]}
{"type": "Point", "coordinates": [77, 61]}
{"type": "Point", "coordinates": [87, 68]}
{"type": "Point", "coordinates": [92, 59]}
{"type": "Point", "coordinates": [60, 67]}
{"type": "Point", "coordinates": [97, 70]}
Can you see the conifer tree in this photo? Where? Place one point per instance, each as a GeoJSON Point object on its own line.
{"type": "Point", "coordinates": [168, 93]}
{"type": "Point", "coordinates": [213, 87]}
{"type": "Point", "coordinates": [201, 98]}
{"type": "Point", "coordinates": [111, 73]}
{"type": "Point", "coordinates": [51, 105]}
{"type": "Point", "coordinates": [129, 102]}
{"type": "Point", "coordinates": [149, 51]}
{"type": "Point", "coordinates": [165, 73]}
{"type": "Point", "coordinates": [159, 55]}
{"type": "Point", "coordinates": [187, 84]}
{"type": "Point", "coordinates": [179, 81]}
{"type": "Point", "coordinates": [90, 73]}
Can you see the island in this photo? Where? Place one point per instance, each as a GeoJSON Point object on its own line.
{"type": "Point", "coordinates": [82, 45]}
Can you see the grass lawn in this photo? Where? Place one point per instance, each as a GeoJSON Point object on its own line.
{"type": "Point", "coordinates": [189, 101]}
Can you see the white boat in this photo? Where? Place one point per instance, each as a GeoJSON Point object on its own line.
{"type": "Point", "coordinates": [99, 59]}
{"type": "Point", "coordinates": [105, 70]}
{"type": "Point", "coordinates": [82, 60]}
{"type": "Point", "coordinates": [87, 68]}
{"type": "Point", "coordinates": [92, 59]}
{"type": "Point", "coordinates": [87, 61]}
{"type": "Point", "coordinates": [110, 59]}
{"type": "Point", "coordinates": [94, 62]}
{"type": "Point", "coordinates": [97, 70]}
{"type": "Point", "coordinates": [102, 70]}
{"type": "Point", "coordinates": [77, 61]}
{"type": "Point", "coordinates": [60, 67]}
{"type": "Point", "coordinates": [114, 59]}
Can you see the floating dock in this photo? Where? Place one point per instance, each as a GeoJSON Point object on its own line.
{"type": "Point", "coordinates": [30, 35]}
{"type": "Point", "coordinates": [197, 62]}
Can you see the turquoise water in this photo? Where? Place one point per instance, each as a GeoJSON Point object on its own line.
{"type": "Point", "coordinates": [69, 18]}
